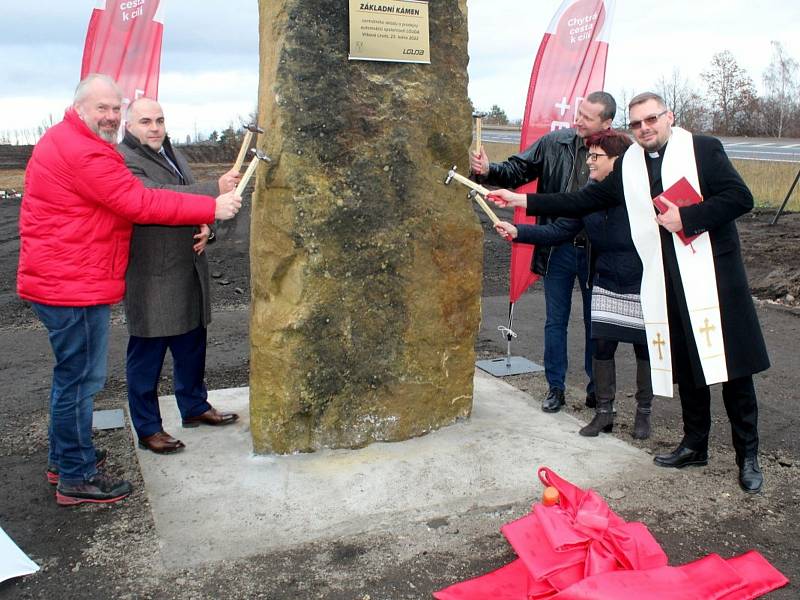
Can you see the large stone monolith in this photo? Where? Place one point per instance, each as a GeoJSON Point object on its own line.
{"type": "Point", "coordinates": [366, 270]}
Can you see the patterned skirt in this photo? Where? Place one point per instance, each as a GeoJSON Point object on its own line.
{"type": "Point", "coordinates": [617, 317]}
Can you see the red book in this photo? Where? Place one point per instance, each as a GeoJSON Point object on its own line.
{"type": "Point", "coordinates": [681, 194]}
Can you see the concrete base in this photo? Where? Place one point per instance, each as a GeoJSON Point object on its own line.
{"type": "Point", "coordinates": [217, 500]}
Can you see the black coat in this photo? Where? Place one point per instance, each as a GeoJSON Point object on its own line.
{"type": "Point", "coordinates": [614, 263]}
{"type": "Point", "coordinates": [167, 284]}
{"type": "Point", "coordinates": [551, 161]}
{"type": "Point", "coordinates": [725, 198]}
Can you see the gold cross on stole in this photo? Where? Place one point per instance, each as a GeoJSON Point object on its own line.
{"type": "Point", "coordinates": [707, 330]}
{"type": "Point", "coordinates": [658, 342]}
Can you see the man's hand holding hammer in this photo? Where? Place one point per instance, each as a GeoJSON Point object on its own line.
{"type": "Point", "coordinates": [229, 181]}
{"type": "Point", "coordinates": [227, 185]}
{"type": "Point", "coordinates": [479, 162]}
{"type": "Point", "coordinates": [228, 204]}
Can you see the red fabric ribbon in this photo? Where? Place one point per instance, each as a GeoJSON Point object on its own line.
{"type": "Point", "coordinates": [579, 549]}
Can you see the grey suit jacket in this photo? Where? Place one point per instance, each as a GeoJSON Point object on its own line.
{"type": "Point", "coordinates": [167, 285]}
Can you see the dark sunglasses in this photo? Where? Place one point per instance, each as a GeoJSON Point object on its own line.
{"type": "Point", "coordinates": [651, 120]}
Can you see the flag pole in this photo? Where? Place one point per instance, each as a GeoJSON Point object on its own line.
{"type": "Point", "coordinates": [785, 200]}
{"type": "Point", "coordinates": [508, 364]}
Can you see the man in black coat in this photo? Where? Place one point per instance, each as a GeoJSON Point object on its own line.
{"type": "Point", "coordinates": [725, 198]}
{"type": "Point", "coordinates": [558, 162]}
{"type": "Point", "coordinates": [167, 300]}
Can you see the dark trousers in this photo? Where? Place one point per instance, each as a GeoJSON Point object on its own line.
{"type": "Point", "coordinates": [143, 368]}
{"type": "Point", "coordinates": [739, 397]}
{"type": "Point", "coordinates": [567, 263]}
{"type": "Point", "coordinates": [606, 349]}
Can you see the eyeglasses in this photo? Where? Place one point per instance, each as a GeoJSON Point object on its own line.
{"type": "Point", "coordinates": [593, 156]}
{"type": "Point", "coordinates": [651, 120]}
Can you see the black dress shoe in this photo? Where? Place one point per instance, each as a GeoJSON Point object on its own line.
{"type": "Point", "coordinates": [750, 478]}
{"type": "Point", "coordinates": [554, 401]}
{"type": "Point", "coordinates": [682, 457]}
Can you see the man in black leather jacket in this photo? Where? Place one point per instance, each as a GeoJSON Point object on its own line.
{"type": "Point", "coordinates": [558, 162]}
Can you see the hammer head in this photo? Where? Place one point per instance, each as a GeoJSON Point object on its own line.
{"type": "Point", "coordinates": [254, 128]}
{"type": "Point", "coordinates": [450, 174]}
{"type": "Point", "coordinates": [260, 155]}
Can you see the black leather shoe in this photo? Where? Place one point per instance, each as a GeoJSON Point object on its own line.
{"type": "Point", "coordinates": [750, 478]}
{"type": "Point", "coordinates": [554, 401]}
{"type": "Point", "coordinates": [682, 457]}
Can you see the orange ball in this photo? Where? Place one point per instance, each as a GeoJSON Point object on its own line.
{"type": "Point", "coordinates": [550, 496]}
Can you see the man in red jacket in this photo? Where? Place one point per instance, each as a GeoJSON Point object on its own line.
{"type": "Point", "coordinates": [76, 218]}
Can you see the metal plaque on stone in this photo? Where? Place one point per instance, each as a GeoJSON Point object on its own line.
{"type": "Point", "coordinates": [392, 30]}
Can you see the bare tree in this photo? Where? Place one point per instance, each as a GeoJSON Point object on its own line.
{"type": "Point", "coordinates": [781, 83]}
{"type": "Point", "coordinates": [732, 95]}
{"type": "Point", "coordinates": [252, 118]}
{"type": "Point", "coordinates": [622, 98]}
{"type": "Point", "coordinates": [684, 101]}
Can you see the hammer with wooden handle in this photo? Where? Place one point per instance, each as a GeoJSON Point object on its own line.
{"type": "Point", "coordinates": [248, 137]}
{"type": "Point", "coordinates": [478, 116]}
{"type": "Point", "coordinates": [251, 169]}
{"type": "Point", "coordinates": [475, 194]}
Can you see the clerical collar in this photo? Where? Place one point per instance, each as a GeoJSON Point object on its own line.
{"type": "Point", "coordinates": [658, 153]}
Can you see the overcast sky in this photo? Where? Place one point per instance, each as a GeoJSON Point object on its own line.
{"type": "Point", "coordinates": [209, 66]}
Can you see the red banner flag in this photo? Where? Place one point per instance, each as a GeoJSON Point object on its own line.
{"type": "Point", "coordinates": [124, 42]}
{"type": "Point", "coordinates": [570, 64]}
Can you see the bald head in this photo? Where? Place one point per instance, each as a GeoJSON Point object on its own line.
{"type": "Point", "coordinates": [146, 123]}
{"type": "Point", "coordinates": [98, 102]}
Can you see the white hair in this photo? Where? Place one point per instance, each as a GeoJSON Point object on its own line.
{"type": "Point", "coordinates": [83, 87]}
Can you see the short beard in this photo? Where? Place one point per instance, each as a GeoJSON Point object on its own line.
{"type": "Point", "coordinates": [108, 136]}
{"type": "Point", "coordinates": [653, 147]}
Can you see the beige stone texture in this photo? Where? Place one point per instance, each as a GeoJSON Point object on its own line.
{"type": "Point", "coordinates": [366, 269]}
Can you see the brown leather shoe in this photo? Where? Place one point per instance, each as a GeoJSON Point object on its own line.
{"type": "Point", "coordinates": [161, 443]}
{"type": "Point", "coordinates": [211, 417]}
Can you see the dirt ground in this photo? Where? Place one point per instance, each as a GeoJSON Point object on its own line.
{"type": "Point", "coordinates": [98, 552]}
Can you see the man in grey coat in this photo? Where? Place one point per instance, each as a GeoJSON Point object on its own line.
{"type": "Point", "coordinates": [167, 288]}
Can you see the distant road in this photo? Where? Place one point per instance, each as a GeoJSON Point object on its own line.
{"type": "Point", "coordinates": [782, 150]}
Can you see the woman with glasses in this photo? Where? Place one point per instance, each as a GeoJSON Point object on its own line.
{"type": "Point", "coordinates": [615, 278]}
